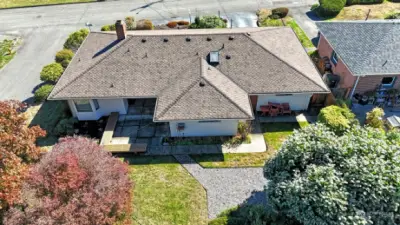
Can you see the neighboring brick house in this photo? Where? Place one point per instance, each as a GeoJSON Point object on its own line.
{"type": "Point", "coordinates": [365, 54]}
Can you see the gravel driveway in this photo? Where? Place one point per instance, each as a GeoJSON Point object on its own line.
{"type": "Point", "coordinates": [227, 188]}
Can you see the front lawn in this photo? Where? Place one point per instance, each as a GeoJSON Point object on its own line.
{"type": "Point", "coordinates": [360, 12]}
{"type": "Point", "coordinates": [276, 133]}
{"type": "Point", "coordinates": [6, 51]}
{"type": "Point", "coordinates": [232, 160]}
{"type": "Point", "coordinates": [22, 3]}
{"type": "Point", "coordinates": [165, 193]}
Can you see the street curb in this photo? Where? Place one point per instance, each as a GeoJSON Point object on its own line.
{"type": "Point", "coordinates": [57, 4]}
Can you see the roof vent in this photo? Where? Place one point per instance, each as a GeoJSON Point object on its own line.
{"type": "Point", "coordinates": [248, 34]}
{"type": "Point", "coordinates": [231, 38]}
{"type": "Point", "coordinates": [165, 39]}
{"type": "Point", "coordinates": [112, 85]}
{"type": "Point", "coordinates": [228, 56]}
{"type": "Point", "coordinates": [202, 84]}
{"type": "Point", "coordinates": [143, 40]}
{"type": "Point", "coordinates": [214, 57]}
{"type": "Point", "coordinates": [209, 38]}
{"type": "Point", "coordinates": [188, 39]}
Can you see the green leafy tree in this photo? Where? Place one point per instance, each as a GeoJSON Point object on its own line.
{"type": "Point", "coordinates": [75, 39]}
{"type": "Point", "coordinates": [320, 178]}
{"type": "Point", "coordinates": [339, 119]}
{"type": "Point", "coordinates": [51, 72]}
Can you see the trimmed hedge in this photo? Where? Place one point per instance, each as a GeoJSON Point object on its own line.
{"type": "Point", "coordinates": [75, 39]}
{"type": "Point", "coordinates": [65, 127]}
{"type": "Point", "coordinates": [208, 22]}
{"type": "Point", "coordinates": [330, 8]}
{"type": "Point", "coordinates": [110, 27]}
{"type": "Point", "coordinates": [64, 55]}
{"type": "Point", "coordinates": [281, 12]}
{"type": "Point", "coordinates": [355, 2]}
{"type": "Point", "coordinates": [42, 93]}
{"type": "Point", "coordinates": [144, 25]}
{"type": "Point", "coordinates": [51, 72]}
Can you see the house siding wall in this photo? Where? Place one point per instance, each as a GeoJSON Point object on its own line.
{"type": "Point", "coordinates": [296, 101]}
{"type": "Point", "coordinates": [196, 129]}
{"type": "Point", "coordinates": [347, 79]}
{"type": "Point", "coordinates": [106, 106]}
{"type": "Point", "coordinates": [370, 83]}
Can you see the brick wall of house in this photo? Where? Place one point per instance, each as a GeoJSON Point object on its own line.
{"type": "Point", "coordinates": [370, 83]}
{"type": "Point", "coordinates": [347, 79]}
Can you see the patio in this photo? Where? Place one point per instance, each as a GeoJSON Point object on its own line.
{"type": "Point", "coordinates": [361, 111]}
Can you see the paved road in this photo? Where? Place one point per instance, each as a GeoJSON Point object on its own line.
{"type": "Point", "coordinates": [44, 29]}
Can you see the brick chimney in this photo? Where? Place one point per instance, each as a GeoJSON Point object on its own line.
{"type": "Point", "coordinates": [120, 27]}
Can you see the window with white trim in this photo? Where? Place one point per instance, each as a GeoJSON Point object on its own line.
{"type": "Point", "coordinates": [334, 58]}
{"type": "Point", "coordinates": [388, 81]}
{"type": "Point", "coordinates": [96, 104]}
{"type": "Point", "coordinates": [83, 105]}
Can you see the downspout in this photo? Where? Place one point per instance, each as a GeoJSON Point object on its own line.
{"type": "Point", "coordinates": [354, 88]}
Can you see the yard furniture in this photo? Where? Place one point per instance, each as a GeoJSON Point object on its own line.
{"type": "Point", "coordinates": [265, 110]}
{"type": "Point", "coordinates": [285, 109]}
{"type": "Point", "coordinates": [109, 130]}
{"type": "Point", "coordinates": [274, 111]}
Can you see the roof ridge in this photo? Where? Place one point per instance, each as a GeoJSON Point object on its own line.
{"type": "Point", "coordinates": [280, 59]}
{"type": "Point", "coordinates": [91, 67]}
{"type": "Point", "coordinates": [179, 96]}
{"type": "Point", "coordinates": [227, 97]}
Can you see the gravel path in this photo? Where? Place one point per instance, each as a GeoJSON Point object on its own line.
{"type": "Point", "coordinates": [227, 188]}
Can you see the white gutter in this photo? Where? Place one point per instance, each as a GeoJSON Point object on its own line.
{"type": "Point", "coordinates": [354, 88]}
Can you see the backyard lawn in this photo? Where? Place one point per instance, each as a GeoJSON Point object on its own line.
{"type": "Point", "coordinates": [165, 193]}
{"type": "Point", "coordinates": [274, 135]}
{"type": "Point", "coordinates": [47, 115]}
{"type": "Point", "coordinates": [21, 3]}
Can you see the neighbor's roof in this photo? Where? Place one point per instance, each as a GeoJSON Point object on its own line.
{"type": "Point", "coordinates": [261, 61]}
{"type": "Point", "coordinates": [366, 47]}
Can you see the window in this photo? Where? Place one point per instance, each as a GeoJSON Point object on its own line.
{"type": "Point", "coordinates": [210, 121]}
{"type": "Point", "coordinates": [388, 81]}
{"type": "Point", "coordinates": [83, 106]}
{"type": "Point", "coordinates": [334, 58]}
{"type": "Point", "coordinates": [96, 104]}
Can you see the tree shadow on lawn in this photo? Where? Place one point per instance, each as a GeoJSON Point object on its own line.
{"type": "Point", "coordinates": [47, 115]}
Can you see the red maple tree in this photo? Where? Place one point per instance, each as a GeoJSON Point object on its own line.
{"type": "Point", "coordinates": [76, 183]}
{"type": "Point", "coordinates": [17, 148]}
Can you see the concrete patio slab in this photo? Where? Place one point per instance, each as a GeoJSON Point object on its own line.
{"type": "Point", "coordinates": [146, 131]}
{"type": "Point", "coordinates": [162, 130]}
{"type": "Point", "coordinates": [143, 140]}
{"type": "Point", "coordinates": [118, 131]}
{"type": "Point", "coordinates": [150, 102]}
{"type": "Point", "coordinates": [148, 110]}
{"type": "Point", "coordinates": [131, 123]}
{"type": "Point", "coordinates": [135, 110]}
{"type": "Point", "coordinates": [129, 131]}
{"type": "Point", "coordinates": [139, 102]}
{"type": "Point", "coordinates": [156, 141]}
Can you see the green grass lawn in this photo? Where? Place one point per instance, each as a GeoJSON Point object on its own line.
{"type": "Point", "coordinates": [6, 51]}
{"type": "Point", "coordinates": [165, 193]}
{"type": "Point", "coordinates": [301, 35]}
{"type": "Point", "coordinates": [276, 133]}
{"type": "Point", "coordinates": [47, 115]}
{"type": "Point", "coordinates": [230, 160]}
{"type": "Point", "coordinates": [20, 3]}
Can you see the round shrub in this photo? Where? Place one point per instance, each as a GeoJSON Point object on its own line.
{"type": "Point", "coordinates": [51, 72]}
{"type": "Point", "coordinates": [281, 12]}
{"type": "Point", "coordinates": [183, 23]}
{"type": "Point", "coordinates": [208, 22]}
{"type": "Point", "coordinates": [42, 93]}
{"type": "Point", "coordinates": [339, 119]}
{"type": "Point", "coordinates": [65, 127]}
{"type": "Point", "coordinates": [110, 27]}
{"type": "Point", "coordinates": [65, 63]}
{"type": "Point", "coordinates": [130, 22]}
{"type": "Point", "coordinates": [330, 8]}
{"type": "Point", "coordinates": [75, 39]}
{"type": "Point", "coordinates": [375, 118]}
{"type": "Point", "coordinates": [172, 24]}
{"type": "Point", "coordinates": [144, 25]}
{"type": "Point", "coordinates": [65, 54]}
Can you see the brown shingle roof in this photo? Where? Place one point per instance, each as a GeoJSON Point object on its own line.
{"type": "Point", "coordinates": [261, 60]}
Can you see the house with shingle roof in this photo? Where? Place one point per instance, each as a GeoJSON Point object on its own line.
{"type": "Point", "coordinates": [204, 81]}
{"type": "Point", "coordinates": [363, 55]}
